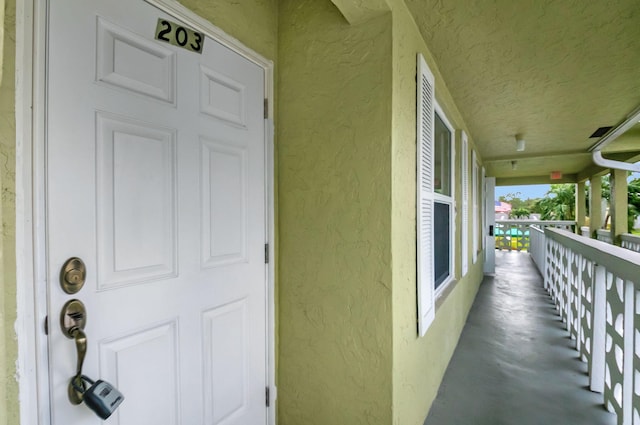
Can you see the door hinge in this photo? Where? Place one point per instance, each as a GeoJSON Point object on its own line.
{"type": "Point", "coordinates": [267, 398]}
{"type": "Point", "coordinates": [46, 325]}
{"type": "Point", "coordinates": [266, 109]}
{"type": "Point", "coordinates": [266, 253]}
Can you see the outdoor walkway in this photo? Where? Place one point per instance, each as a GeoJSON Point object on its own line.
{"type": "Point", "coordinates": [514, 364]}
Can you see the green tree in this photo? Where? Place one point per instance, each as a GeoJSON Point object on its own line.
{"type": "Point", "coordinates": [633, 199]}
{"type": "Point", "coordinates": [559, 202]}
{"type": "Point", "coordinates": [520, 213]}
{"type": "Point", "coordinates": [513, 199]}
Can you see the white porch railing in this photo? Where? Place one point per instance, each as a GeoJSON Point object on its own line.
{"type": "Point", "coordinates": [631, 242]}
{"type": "Point", "coordinates": [627, 240]}
{"type": "Point", "coordinates": [596, 289]}
{"type": "Point", "coordinates": [604, 235]}
{"type": "Point", "coordinates": [514, 235]}
{"type": "Point", "coordinates": [538, 248]}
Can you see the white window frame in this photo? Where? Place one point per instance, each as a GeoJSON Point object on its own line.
{"type": "Point", "coordinates": [449, 200]}
{"type": "Point", "coordinates": [475, 184]}
{"type": "Point", "coordinates": [426, 109]}
{"type": "Point", "coordinates": [483, 211]}
{"type": "Point", "coordinates": [465, 203]}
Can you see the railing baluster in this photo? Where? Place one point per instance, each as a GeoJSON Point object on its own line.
{"type": "Point", "coordinates": [627, 373]}
{"type": "Point", "coordinates": [576, 297]}
{"type": "Point", "coordinates": [614, 346]}
{"type": "Point", "coordinates": [636, 362]}
{"type": "Point", "coordinates": [597, 367]}
{"type": "Point", "coordinates": [586, 309]}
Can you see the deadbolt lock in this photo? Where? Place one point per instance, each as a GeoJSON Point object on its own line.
{"type": "Point", "coordinates": [73, 275]}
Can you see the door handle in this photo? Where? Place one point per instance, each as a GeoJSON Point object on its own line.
{"type": "Point", "coordinates": [491, 230]}
{"type": "Point", "coordinates": [101, 397]}
{"type": "Point", "coordinates": [81, 347]}
{"type": "Point", "coordinates": [77, 382]}
{"type": "Point", "coordinates": [73, 319]}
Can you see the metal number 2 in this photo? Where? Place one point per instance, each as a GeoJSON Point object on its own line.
{"type": "Point", "coordinates": [162, 35]}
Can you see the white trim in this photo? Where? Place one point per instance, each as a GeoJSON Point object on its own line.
{"type": "Point", "coordinates": [33, 377]}
{"type": "Point", "coordinates": [30, 208]}
{"type": "Point", "coordinates": [449, 200]}
{"type": "Point", "coordinates": [475, 202]}
{"type": "Point", "coordinates": [442, 115]}
{"type": "Point", "coordinates": [465, 202]}
{"type": "Point", "coordinates": [271, 269]}
{"type": "Point", "coordinates": [483, 211]}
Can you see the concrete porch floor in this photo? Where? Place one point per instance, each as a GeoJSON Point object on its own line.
{"type": "Point", "coordinates": [515, 363]}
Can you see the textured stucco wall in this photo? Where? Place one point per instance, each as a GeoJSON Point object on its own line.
{"type": "Point", "coordinates": [253, 22]}
{"type": "Point", "coordinates": [8, 343]}
{"type": "Point", "coordinates": [419, 363]}
{"type": "Point", "coordinates": [334, 142]}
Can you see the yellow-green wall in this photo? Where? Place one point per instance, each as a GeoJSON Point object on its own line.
{"type": "Point", "coordinates": [334, 142]}
{"type": "Point", "coordinates": [419, 363]}
{"type": "Point", "coordinates": [8, 347]}
{"type": "Point", "coordinates": [253, 22]}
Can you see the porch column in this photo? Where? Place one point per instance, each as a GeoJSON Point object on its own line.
{"type": "Point", "coordinates": [595, 205]}
{"type": "Point", "coordinates": [618, 208]}
{"type": "Point", "coordinates": [581, 206]}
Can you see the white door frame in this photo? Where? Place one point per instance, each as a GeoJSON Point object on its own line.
{"type": "Point", "coordinates": [488, 229]}
{"type": "Point", "coordinates": [33, 370]}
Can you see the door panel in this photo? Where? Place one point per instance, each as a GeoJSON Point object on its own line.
{"type": "Point", "coordinates": [225, 333]}
{"type": "Point", "coordinates": [128, 361]}
{"type": "Point", "coordinates": [136, 196]}
{"type": "Point", "coordinates": [130, 62]}
{"type": "Point", "coordinates": [224, 204]}
{"type": "Point", "coordinates": [156, 179]}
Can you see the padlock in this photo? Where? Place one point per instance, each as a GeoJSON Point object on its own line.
{"type": "Point", "coordinates": [101, 397]}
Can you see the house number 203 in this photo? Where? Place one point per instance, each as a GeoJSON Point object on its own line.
{"type": "Point", "coordinates": [176, 34]}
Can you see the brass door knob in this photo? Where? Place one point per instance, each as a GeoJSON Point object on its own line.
{"type": "Point", "coordinates": [73, 275]}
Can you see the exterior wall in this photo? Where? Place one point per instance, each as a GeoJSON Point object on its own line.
{"type": "Point", "coordinates": [419, 363]}
{"type": "Point", "coordinates": [8, 343]}
{"type": "Point", "coordinates": [253, 22]}
{"type": "Point", "coordinates": [334, 143]}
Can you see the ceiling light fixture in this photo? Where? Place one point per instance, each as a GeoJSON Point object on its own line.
{"type": "Point", "coordinates": [519, 143]}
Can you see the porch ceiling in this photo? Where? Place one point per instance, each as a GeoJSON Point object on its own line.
{"type": "Point", "coordinates": [553, 71]}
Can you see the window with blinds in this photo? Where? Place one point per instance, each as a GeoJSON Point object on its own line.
{"type": "Point", "coordinates": [435, 202]}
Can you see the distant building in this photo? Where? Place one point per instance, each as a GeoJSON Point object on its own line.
{"type": "Point", "coordinates": [502, 210]}
{"type": "Point", "coordinates": [502, 207]}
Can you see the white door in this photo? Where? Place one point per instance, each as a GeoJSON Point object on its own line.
{"type": "Point", "coordinates": [156, 179]}
{"type": "Point", "coordinates": [488, 230]}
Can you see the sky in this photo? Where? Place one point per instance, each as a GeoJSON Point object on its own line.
{"type": "Point", "coordinates": [526, 192]}
{"type": "Point", "coordinates": [533, 191]}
